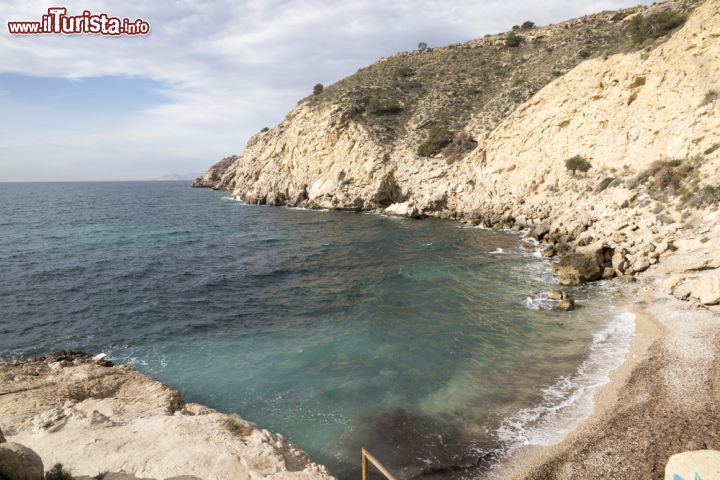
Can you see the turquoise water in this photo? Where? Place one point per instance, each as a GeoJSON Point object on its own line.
{"type": "Point", "coordinates": [425, 342]}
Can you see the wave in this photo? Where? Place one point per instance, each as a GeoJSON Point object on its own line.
{"type": "Point", "coordinates": [569, 401]}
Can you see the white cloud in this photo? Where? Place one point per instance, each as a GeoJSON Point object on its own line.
{"type": "Point", "coordinates": [228, 68]}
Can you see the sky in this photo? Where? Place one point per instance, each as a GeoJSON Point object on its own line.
{"type": "Point", "coordinates": [210, 74]}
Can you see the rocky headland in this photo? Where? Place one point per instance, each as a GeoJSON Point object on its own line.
{"type": "Point", "coordinates": [109, 421]}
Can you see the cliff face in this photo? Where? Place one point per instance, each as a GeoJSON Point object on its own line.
{"type": "Point", "coordinates": [641, 117]}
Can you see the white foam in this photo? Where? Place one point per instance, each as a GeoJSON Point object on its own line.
{"type": "Point", "coordinates": [570, 400]}
{"type": "Point", "coordinates": [498, 251]}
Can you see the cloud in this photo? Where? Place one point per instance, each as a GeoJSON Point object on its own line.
{"type": "Point", "coordinates": [225, 70]}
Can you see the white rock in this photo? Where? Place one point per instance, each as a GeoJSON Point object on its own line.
{"type": "Point", "coordinates": [706, 288]}
{"type": "Point", "coordinates": [704, 464]}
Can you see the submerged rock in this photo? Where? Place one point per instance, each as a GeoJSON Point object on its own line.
{"type": "Point", "coordinates": [555, 294]}
{"type": "Point", "coordinates": [18, 462]}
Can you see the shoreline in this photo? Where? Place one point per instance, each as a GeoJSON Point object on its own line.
{"type": "Point", "coordinates": [647, 331]}
{"type": "Point", "coordinates": [648, 411]}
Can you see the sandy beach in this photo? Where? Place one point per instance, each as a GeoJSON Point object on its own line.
{"type": "Point", "coordinates": [661, 401]}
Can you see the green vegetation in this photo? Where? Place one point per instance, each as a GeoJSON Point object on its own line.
{"type": "Point", "coordinates": [528, 25]}
{"type": "Point", "coordinates": [318, 89]}
{"type": "Point", "coordinates": [437, 139]}
{"type": "Point", "coordinates": [606, 183]}
{"type": "Point", "coordinates": [513, 40]}
{"type": "Point", "coordinates": [237, 426]}
{"type": "Point", "coordinates": [578, 163]}
{"type": "Point", "coordinates": [58, 473]}
{"type": "Point", "coordinates": [264, 129]}
{"type": "Point", "coordinates": [654, 25]}
{"type": "Point", "coordinates": [706, 197]}
{"type": "Point", "coordinates": [383, 106]}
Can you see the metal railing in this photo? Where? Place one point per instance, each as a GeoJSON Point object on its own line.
{"type": "Point", "coordinates": [366, 456]}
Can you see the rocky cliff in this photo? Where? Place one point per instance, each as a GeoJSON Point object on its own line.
{"type": "Point", "coordinates": [600, 133]}
{"type": "Point", "coordinates": [94, 417]}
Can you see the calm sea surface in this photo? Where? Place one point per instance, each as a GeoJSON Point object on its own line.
{"type": "Point", "coordinates": [422, 341]}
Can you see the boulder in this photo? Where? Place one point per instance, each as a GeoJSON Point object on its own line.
{"type": "Point", "coordinates": [707, 289]}
{"type": "Point", "coordinates": [671, 283]}
{"type": "Point", "coordinates": [404, 209]}
{"type": "Point", "coordinates": [566, 304]}
{"type": "Point", "coordinates": [555, 294]}
{"type": "Point", "coordinates": [703, 464]}
{"type": "Point", "coordinates": [18, 462]}
{"type": "Point", "coordinates": [577, 269]}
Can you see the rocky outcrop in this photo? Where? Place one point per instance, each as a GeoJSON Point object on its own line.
{"type": "Point", "coordinates": [212, 176]}
{"type": "Point", "coordinates": [137, 425]}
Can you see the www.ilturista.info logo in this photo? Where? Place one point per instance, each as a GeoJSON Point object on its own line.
{"type": "Point", "coordinates": [57, 21]}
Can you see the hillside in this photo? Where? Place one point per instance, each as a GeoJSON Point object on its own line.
{"type": "Point", "coordinates": [599, 133]}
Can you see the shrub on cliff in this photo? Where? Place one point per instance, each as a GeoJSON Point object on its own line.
{"type": "Point", "coordinates": [383, 106]}
{"type": "Point", "coordinates": [438, 138]}
{"type": "Point", "coordinates": [528, 25]}
{"type": "Point", "coordinates": [661, 175]}
{"type": "Point", "coordinates": [58, 473]}
{"type": "Point", "coordinates": [237, 426]}
{"type": "Point", "coordinates": [461, 144]}
{"type": "Point", "coordinates": [513, 40]}
{"type": "Point", "coordinates": [318, 89]}
{"type": "Point", "coordinates": [577, 164]}
{"type": "Point", "coordinates": [706, 197]}
{"type": "Point", "coordinates": [654, 25]}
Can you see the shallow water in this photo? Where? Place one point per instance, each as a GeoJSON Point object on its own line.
{"type": "Point", "coordinates": [422, 341]}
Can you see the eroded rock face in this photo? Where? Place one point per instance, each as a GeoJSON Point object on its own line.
{"type": "Point", "coordinates": [18, 462]}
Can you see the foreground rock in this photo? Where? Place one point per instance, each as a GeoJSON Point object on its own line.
{"type": "Point", "coordinates": [703, 464]}
{"type": "Point", "coordinates": [93, 417]}
{"type": "Point", "coordinates": [18, 462]}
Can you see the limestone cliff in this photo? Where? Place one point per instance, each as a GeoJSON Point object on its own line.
{"type": "Point", "coordinates": [619, 155]}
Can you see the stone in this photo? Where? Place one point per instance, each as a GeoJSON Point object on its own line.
{"type": "Point", "coordinates": [566, 304]}
{"type": "Point", "coordinates": [704, 464]}
{"type": "Point", "coordinates": [404, 209]}
{"type": "Point", "coordinates": [640, 265]}
{"type": "Point", "coordinates": [682, 291]}
{"type": "Point", "coordinates": [706, 288]}
{"type": "Point", "coordinates": [608, 273]}
{"type": "Point", "coordinates": [555, 294]}
{"type": "Point", "coordinates": [548, 251]}
{"type": "Point", "coordinates": [2, 437]}
{"type": "Point", "coordinates": [619, 263]}
{"type": "Point", "coordinates": [577, 269]}
{"type": "Point", "coordinates": [671, 283]}
{"type": "Point", "coordinates": [18, 462]}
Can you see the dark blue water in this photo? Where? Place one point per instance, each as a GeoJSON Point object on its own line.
{"type": "Point", "coordinates": [420, 340]}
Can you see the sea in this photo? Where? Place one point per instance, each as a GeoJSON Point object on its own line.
{"type": "Point", "coordinates": [429, 343]}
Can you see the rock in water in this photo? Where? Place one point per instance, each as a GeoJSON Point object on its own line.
{"type": "Point", "coordinates": [707, 289]}
{"type": "Point", "coordinates": [555, 294]}
{"type": "Point", "coordinates": [17, 462]}
{"type": "Point", "coordinates": [692, 465]}
{"type": "Point", "coordinates": [577, 269]}
{"type": "Point", "coordinates": [566, 304]}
